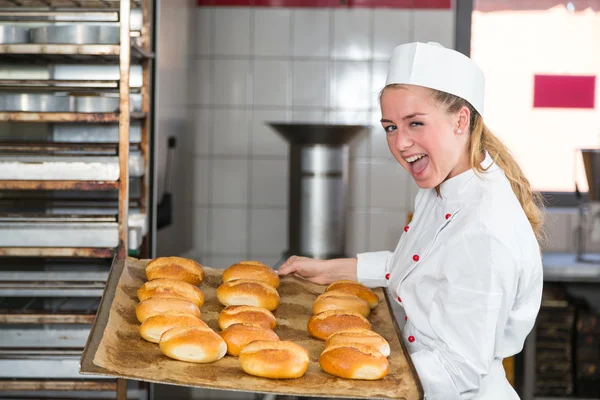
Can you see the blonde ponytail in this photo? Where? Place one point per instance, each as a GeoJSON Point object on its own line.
{"type": "Point", "coordinates": [483, 140]}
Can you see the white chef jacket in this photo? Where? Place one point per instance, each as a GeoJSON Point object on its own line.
{"type": "Point", "coordinates": [468, 273]}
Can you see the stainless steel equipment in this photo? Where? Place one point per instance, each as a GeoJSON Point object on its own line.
{"type": "Point", "coordinates": [36, 102]}
{"type": "Point", "coordinates": [589, 211]}
{"type": "Point", "coordinates": [96, 104]}
{"type": "Point", "coordinates": [76, 34]}
{"type": "Point", "coordinates": [97, 133]}
{"type": "Point", "coordinates": [318, 182]}
{"type": "Point", "coordinates": [11, 34]}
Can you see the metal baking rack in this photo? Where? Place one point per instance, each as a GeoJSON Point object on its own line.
{"type": "Point", "coordinates": [70, 203]}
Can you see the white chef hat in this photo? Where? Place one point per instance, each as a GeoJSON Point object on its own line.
{"type": "Point", "coordinates": [433, 66]}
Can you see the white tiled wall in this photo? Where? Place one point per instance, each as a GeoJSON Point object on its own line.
{"type": "Point", "coordinates": [253, 65]}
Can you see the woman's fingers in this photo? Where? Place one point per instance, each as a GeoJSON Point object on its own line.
{"type": "Point", "coordinates": [288, 266]}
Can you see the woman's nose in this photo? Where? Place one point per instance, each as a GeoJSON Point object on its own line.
{"type": "Point", "coordinates": [403, 142]}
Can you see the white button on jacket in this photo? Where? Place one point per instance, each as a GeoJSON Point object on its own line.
{"type": "Point", "coordinates": [468, 273]}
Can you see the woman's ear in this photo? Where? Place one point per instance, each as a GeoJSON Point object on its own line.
{"type": "Point", "coordinates": [463, 117]}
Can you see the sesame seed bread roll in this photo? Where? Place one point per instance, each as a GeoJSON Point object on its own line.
{"type": "Point", "coordinates": [360, 336]}
{"type": "Point", "coordinates": [162, 305]}
{"type": "Point", "coordinates": [341, 300]}
{"type": "Point", "coordinates": [171, 288]}
{"type": "Point", "coordinates": [357, 289]}
{"type": "Point", "coordinates": [327, 323]}
{"type": "Point", "coordinates": [275, 360]}
{"type": "Point", "coordinates": [245, 292]}
{"type": "Point", "coordinates": [178, 268]}
{"type": "Point", "coordinates": [246, 314]}
{"type": "Point", "coordinates": [251, 270]}
{"type": "Point", "coordinates": [354, 361]}
{"type": "Point", "coordinates": [153, 327]}
{"type": "Point", "coordinates": [195, 344]}
{"type": "Point", "coordinates": [238, 336]}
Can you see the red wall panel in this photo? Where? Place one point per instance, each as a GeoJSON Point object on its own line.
{"type": "Point", "coordinates": [432, 4]}
{"type": "Point", "coordinates": [564, 91]}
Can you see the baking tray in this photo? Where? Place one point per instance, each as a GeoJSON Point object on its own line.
{"type": "Point", "coordinates": [12, 34]}
{"type": "Point", "coordinates": [76, 34]}
{"type": "Point", "coordinates": [94, 133]}
{"type": "Point", "coordinates": [77, 168]}
{"type": "Point", "coordinates": [34, 102]}
{"type": "Point", "coordinates": [114, 347]}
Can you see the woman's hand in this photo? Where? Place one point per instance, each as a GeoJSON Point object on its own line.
{"type": "Point", "coordinates": [322, 272]}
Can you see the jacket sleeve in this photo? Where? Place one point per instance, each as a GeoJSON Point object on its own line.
{"type": "Point", "coordinates": [468, 313]}
{"type": "Point", "coordinates": [372, 268]}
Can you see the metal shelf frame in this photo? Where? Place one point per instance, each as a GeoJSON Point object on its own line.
{"type": "Point", "coordinates": [133, 48]}
{"type": "Point", "coordinates": [68, 4]}
{"type": "Point", "coordinates": [71, 53]}
{"type": "Point", "coordinates": [59, 185]}
{"type": "Point", "coordinates": [8, 116]}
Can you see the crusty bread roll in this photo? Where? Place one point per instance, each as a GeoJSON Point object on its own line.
{"type": "Point", "coordinates": [179, 268]}
{"type": "Point", "coordinates": [238, 336]}
{"type": "Point", "coordinates": [251, 270]}
{"type": "Point", "coordinates": [171, 288]}
{"type": "Point", "coordinates": [356, 361]}
{"type": "Point", "coordinates": [327, 323]}
{"type": "Point", "coordinates": [360, 336]}
{"type": "Point", "coordinates": [274, 359]}
{"type": "Point", "coordinates": [246, 292]}
{"type": "Point", "coordinates": [341, 300]}
{"type": "Point", "coordinates": [247, 314]}
{"type": "Point", "coordinates": [357, 289]}
{"type": "Point", "coordinates": [153, 327]}
{"type": "Point", "coordinates": [195, 344]}
{"type": "Point", "coordinates": [161, 305]}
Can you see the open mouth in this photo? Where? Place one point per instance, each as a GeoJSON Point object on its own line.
{"type": "Point", "coordinates": [418, 163]}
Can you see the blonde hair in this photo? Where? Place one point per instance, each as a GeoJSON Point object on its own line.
{"type": "Point", "coordinates": [482, 140]}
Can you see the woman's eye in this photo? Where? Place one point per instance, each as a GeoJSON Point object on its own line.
{"type": "Point", "coordinates": [389, 128]}
{"type": "Point", "coordinates": [416, 123]}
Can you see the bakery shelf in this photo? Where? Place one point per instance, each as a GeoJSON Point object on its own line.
{"type": "Point", "coordinates": [69, 53]}
{"type": "Point", "coordinates": [65, 117]}
{"type": "Point", "coordinates": [59, 185]}
{"type": "Point", "coordinates": [83, 252]}
{"type": "Point", "coordinates": [68, 4]}
{"type": "Point", "coordinates": [56, 385]}
{"type": "Point", "coordinates": [47, 318]}
{"type": "Point", "coordinates": [61, 85]}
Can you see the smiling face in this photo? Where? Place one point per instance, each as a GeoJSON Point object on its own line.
{"type": "Point", "coordinates": [430, 143]}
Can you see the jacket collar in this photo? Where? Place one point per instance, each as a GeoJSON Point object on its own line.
{"type": "Point", "coordinates": [456, 189]}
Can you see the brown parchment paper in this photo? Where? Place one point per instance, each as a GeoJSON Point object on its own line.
{"type": "Point", "coordinates": [122, 351]}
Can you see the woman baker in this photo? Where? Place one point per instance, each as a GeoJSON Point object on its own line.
{"type": "Point", "coordinates": [467, 270]}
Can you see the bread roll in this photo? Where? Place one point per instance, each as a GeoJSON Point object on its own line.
{"type": "Point", "coordinates": [195, 344]}
{"type": "Point", "coordinates": [357, 289]}
{"type": "Point", "coordinates": [153, 327]}
{"type": "Point", "coordinates": [340, 300]}
{"type": "Point", "coordinates": [162, 305]}
{"type": "Point", "coordinates": [360, 336]}
{"type": "Point", "coordinates": [179, 268]}
{"type": "Point", "coordinates": [238, 336]}
{"type": "Point", "coordinates": [327, 323]}
{"type": "Point", "coordinates": [247, 314]}
{"type": "Point", "coordinates": [356, 361]}
{"type": "Point", "coordinates": [251, 270]}
{"type": "Point", "coordinates": [171, 288]}
{"type": "Point", "coordinates": [246, 292]}
{"type": "Point", "coordinates": [275, 360]}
